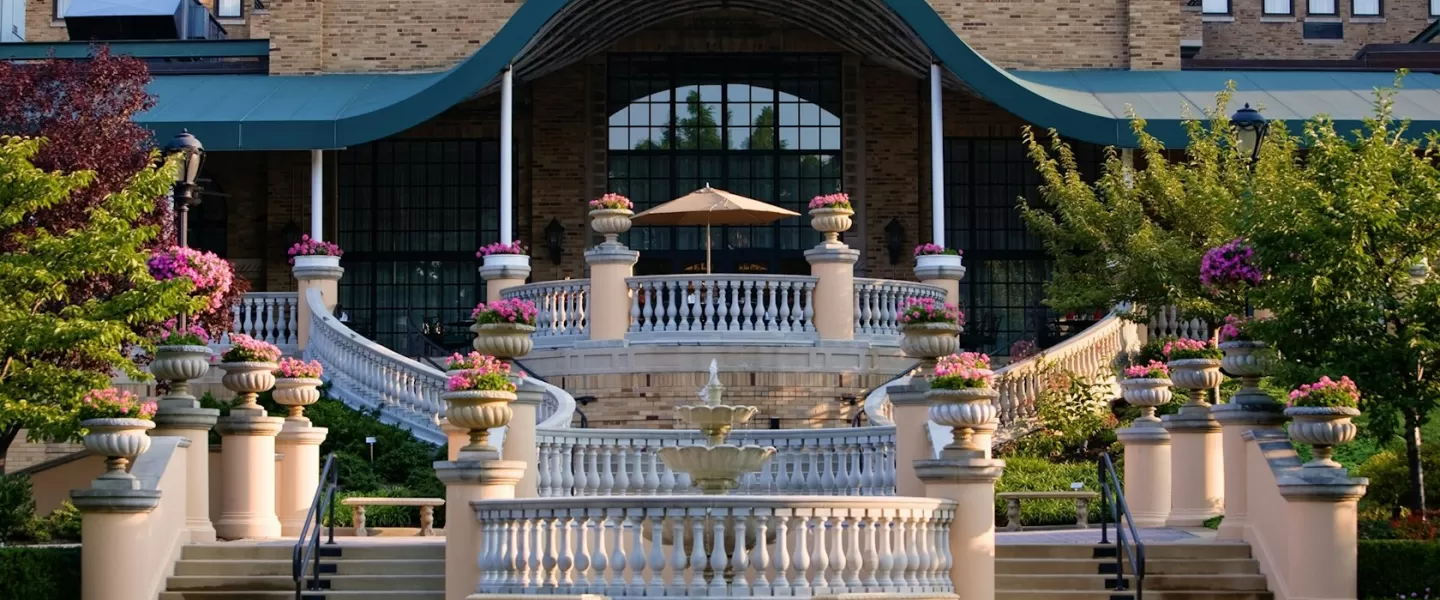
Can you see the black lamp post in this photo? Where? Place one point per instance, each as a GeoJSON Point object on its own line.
{"type": "Point", "coordinates": [192, 156]}
{"type": "Point", "coordinates": [1250, 127]}
{"type": "Point", "coordinates": [894, 240]}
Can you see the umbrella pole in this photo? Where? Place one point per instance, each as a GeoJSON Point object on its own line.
{"type": "Point", "coordinates": [707, 247]}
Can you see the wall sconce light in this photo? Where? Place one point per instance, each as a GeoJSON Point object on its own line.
{"type": "Point", "coordinates": [895, 240]}
{"type": "Point", "coordinates": [554, 236]}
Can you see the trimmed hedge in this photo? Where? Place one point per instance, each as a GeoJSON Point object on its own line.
{"type": "Point", "coordinates": [40, 573]}
{"type": "Point", "coordinates": [1391, 568]}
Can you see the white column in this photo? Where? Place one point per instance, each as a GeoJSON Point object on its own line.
{"type": "Point", "coordinates": [937, 161]}
{"type": "Point", "coordinates": [507, 155]}
{"type": "Point", "coordinates": [317, 194]}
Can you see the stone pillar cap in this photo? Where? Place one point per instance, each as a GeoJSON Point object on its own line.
{"type": "Point", "coordinates": [248, 424]}
{"type": "Point", "coordinates": [1270, 414]}
{"type": "Point", "coordinates": [939, 266]}
{"type": "Point", "coordinates": [301, 435]}
{"type": "Point", "coordinates": [174, 417]}
{"type": "Point", "coordinates": [611, 253]}
{"type": "Point", "coordinates": [529, 393]}
{"type": "Point", "coordinates": [832, 253]}
{"type": "Point", "coordinates": [479, 468]}
{"type": "Point", "coordinates": [1190, 422]}
{"type": "Point", "coordinates": [1143, 436]}
{"type": "Point", "coordinates": [959, 470]}
{"type": "Point", "coordinates": [319, 272]}
{"type": "Point", "coordinates": [115, 501]}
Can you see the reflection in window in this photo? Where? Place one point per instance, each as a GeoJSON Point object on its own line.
{"type": "Point", "coordinates": [760, 126]}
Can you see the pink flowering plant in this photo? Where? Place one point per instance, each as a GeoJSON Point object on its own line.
{"type": "Point", "coordinates": [612, 201]}
{"type": "Point", "coordinates": [836, 201]}
{"type": "Point", "coordinates": [110, 403]}
{"type": "Point", "coordinates": [510, 310]}
{"type": "Point", "coordinates": [514, 247]}
{"type": "Point", "coordinates": [1230, 266]}
{"type": "Point", "coordinates": [916, 311]}
{"type": "Point", "coordinates": [294, 368]}
{"type": "Point", "coordinates": [1327, 393]}
{"type": "Point", "coordinates": [1023, 349]}
{"type": "Point", "coordinates": [963, 371]}
{"type": "Point", "coordinates": [1185, 348]}
{"type": "Point", "coordinates": [935, 249]}
{"type": "Point", "coordinates": [312, 247]}
{"type": "Point", "coordinates": [244, 348]}
{"type": "Point", "coordinates": [1153, 370]}
{"type": "Point", "coordinates": [486, 373]}
{"type": "Point", "coordinates": [466, 362]}
{"type": "Point", "coordinates": [171, 334]}
{"type": "Point", "coordinates": [211, 275]}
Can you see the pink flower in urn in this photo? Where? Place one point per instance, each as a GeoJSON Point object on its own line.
{"type": "Point", "coordinates": [914, 311]}
{"type": "Point", "coordinates": [311, 247]}
{"type": "Point", "coordinates": [244, 348]}
{"type": "Point", "coordinates": [171, 334]}
{"type": "Point", "coordinates": [110, 403]}
{"type": "Point", "coordinates": [964, 370]}
{"type": "Point", "coordinates": [490, 374]}
{"type": "Point", "coordinates": [510, 310]}
{"type": "Point", "coordinates": [1327, 393]}
{"type": "Point", "coordinates": [1185, 348]}
{"type": "Point", "coordinates": [514, 247]}
{"type": "Point", "coordinates": [612, 201]}
{"type": "Point", "coordinates": [928, 249]}
{"type": "Point", "coordinates": [1154, 370]}
{"type": "Point", "coordinates": [839, 200]}
{"type": "Point", "coordinates": [299, 369]}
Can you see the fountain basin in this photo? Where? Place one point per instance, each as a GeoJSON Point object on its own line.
{"type": "Point", "coordinates": [716, 469]}
{"type": "Point", "coordinates": [716, 420]}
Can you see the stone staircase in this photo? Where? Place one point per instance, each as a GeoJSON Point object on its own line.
{"type": "Point", "coordinates": [1173, 571]}
{"type": "Point", "coordinates": [352, 571]}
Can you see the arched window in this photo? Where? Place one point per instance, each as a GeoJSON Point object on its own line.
{"type": "Point", "coordinates": [763, 126]}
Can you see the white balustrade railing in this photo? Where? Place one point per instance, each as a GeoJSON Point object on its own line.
{"type": "Point", "coordinates": [564, 306]}
{"type": "Point", "coordinates": [857, 461]}
{"type": "Point", "coordinates": [267, 316]}
{"type": "Point", "coordinates": [878, 306]}
{"type": "Point", "coordinates": [715, 546]}
{"type": "Point", "coordinates": [722, 308]}
{"type": "Point", "coordinates": [1090, 355]}
{"type": "Point", "coordinates": [1166, 322]}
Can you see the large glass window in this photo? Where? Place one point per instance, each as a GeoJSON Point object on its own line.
{"type": "Point", "coordinates": [1006, 266]}
{"type": "Point", "coordinates": [411, 214]}
{"type": "Point", "coordinates": [762, 126]}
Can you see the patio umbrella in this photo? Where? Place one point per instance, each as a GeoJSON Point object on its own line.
{"type": "Point", "coordinates": [708, 206]}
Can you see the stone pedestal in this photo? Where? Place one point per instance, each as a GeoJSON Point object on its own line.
{"type": "Point", "coordinates": [943, 271]}
{"type": "Point", "coordinates": [320, 273]}
{"type": "Point", "coordinates": [247, 451]}
{"type": "Point", "coordinates": [192, 423]}
{"type": "Point", "coordinates": [474, 476]}
{"type": "Point", "coordinates": [1196, 452]}
{"type": "Point", "coordinates": [970, 482]}
{"type": "Point", "coordinates": [455, 438]}
{"type": "Point", "coordinates": [834, 264]}
{"type": "Point", "coordinates": [1147, 474]}
{"type": "Point", "coordinates": [299, 474]}
{"type": "Point", "coordinates": [1235, 420]}
{"type": "Point", "coordinates": [985, 437]}
{"type": "Point", "coordinates": [520, 437]}
{"type": "Point", "coordinates": [502, 272]}
{"type": "Point", "coordinates": [911, 413]}
{"type": "Point", "coordinates": [114, 524]}
{"type": "Point", "coordinates": [609, 316]}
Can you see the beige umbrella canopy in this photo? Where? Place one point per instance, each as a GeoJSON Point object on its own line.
{"type": "Point", "coordinates": [709, 206]}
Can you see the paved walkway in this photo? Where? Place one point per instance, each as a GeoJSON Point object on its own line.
{"type": "Point", "coordinates": [1092, 536]}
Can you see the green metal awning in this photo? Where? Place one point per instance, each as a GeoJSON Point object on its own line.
{"type": "Point", "coordinates": [297, 112]}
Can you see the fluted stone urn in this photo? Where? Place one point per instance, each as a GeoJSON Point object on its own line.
{"type": "Point", "coordinates": [1247, 361]}
{"type": "Point", "coordinates": [504, 341]}
{"type": "Point", "coordinates": [963, 411]}
{"type": "Point", "coordinates": [247, 380]}
{"type": "Point", "coordinates": [479, 411]}
{"type": "Point", "coordinates": [930, 340]}
{"type": "Point", "coordinates": [1322, 428]}
{"type": "Point", "coordinates": [831, 221]}
{"type": "Point", "coordinates": [296, 393]}
{"type": "Point", "coordinates": [119, 441]}
{"type": "Point", "coordinates": [180, 364]}
{"type": "Point", "coordinates": [1147, 394]}
{"type": "Point", "coordinates": [1196, 375]}
{"type": "Point", "coordinates": [611, 222]}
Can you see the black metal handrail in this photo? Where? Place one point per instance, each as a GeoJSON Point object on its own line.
{"type": "Point", "coordinates": [309, 542]}
{"type": "Point", "coordinates": [1112, 508]}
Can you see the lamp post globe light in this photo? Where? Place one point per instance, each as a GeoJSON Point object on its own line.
{"type": "Point", "coordinates": [1250, 127]}
{"type": "Point", "coordinates": [192, 156]}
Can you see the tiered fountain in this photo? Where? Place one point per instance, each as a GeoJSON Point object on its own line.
{"type": "Point", "coordinates": [716, 467]}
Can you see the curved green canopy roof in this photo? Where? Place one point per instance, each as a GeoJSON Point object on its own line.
{"type": "Point", "coordinates": [301, 112]}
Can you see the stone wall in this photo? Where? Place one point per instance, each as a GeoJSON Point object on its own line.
{"type": "Point", "coordinates": [1249, 35]}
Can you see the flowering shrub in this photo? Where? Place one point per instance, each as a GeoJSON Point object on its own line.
{"type": "Point", "coordinates": [1230, 265]}
{"type": "Point", "coordinates": [962, 371]}
{"type": "Point", "coordinates": [933, 249]}
{"type": "Point", "coordinates": [465, 362]}
{"type": "Point", "coordinates": [111, 403]}
{"type": "Point", "coordinates": [837, 201]}
{"type": "Point", "coordinates": [244, 348]}
{"type": "Point", "coordinates": [514, 247]}
{"type": "Point", "coordinates": [211, 275]}
{"type": "Point", "coordinates": [309, 247]}
{"type": "Point", "coordinates": [512, 310]}
{"type": "Point", "coordinates": [1023, 349]}
{"type": "Point", "coordinates": [1327, 393]}
{"type": "Point", "coordinates": [295, 368]}
{"type": "Point", "coordinates": [1185, 348]}
{"type": "Point", "coordinates": [915, 311]}
{"type": "Point", "coordinates": [172, 335]}
{"type": "Point", "coordinates": [1154, 370]}
{"type": "Point", "coordinates": [488, 374]}
{"type": "Point", "coordinates": [612, 202]}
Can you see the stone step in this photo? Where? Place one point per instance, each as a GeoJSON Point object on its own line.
{"type": "Point", "coordinates": [338, 553]}
{"type": "Point", "coordinates": [1191, 551]}
{"type": "Point", "coordinates": [1179, 583]}
{"type": "Point", "coordinates": [362, 583]}
{"type": "Point", "coordinates": [1079, 566]}
{"type": "Point", "coordinates": [244, 568]}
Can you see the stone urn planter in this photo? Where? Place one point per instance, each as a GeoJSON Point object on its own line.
{"type": "Point", "coordinates": [1246, 360]}
{"type": "Point", "coordinates": [930, 340]}
{"type": "Point", "coordinates": [180, 364]}
{"type": "Point", "coordinates": [247, 380]}
{"type": "Point", "coordinates": [611, 222]}
{"type": "Point", "coordinates": [831, 221]}
{"type": "Point", "coordinates": [503, 340]}
{"type": "Point", "coordinates": [1196, 375]}
{"type": "Point", "coordinates": [1147, 394]}
{"type": "Point", "coordinates": [296, 393]}
{"type": "Point", "coordinates": [119, 441]}
{"type": "Point", "coordinates": [1322, 428]}
{"type": "Point", "coordinates": [963, 410]}
{"type": "Point", "coordinates": [317, 266]}
{"type": "Point", "coordinates": [507, 260]}
{"type": "Point", "coordinates": [939, 266]}
{"type": "Point", "coordinates": [478, 411]}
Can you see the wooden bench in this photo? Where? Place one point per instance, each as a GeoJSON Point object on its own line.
{"type": "Point", "coordinates": [1012, 506]}
{"type": "Point", "coordinates": [427, 511]}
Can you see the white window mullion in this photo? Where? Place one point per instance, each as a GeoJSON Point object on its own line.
{"type": "Point", "coordinates": [1215, 7]}
{"type": "Point", "coordinates": [1322, 7]}
{"type": "Point", "coordinates": [1278, 7]}
{"type": "Point", "coordinates": [1365, 8]}
{"type": "Point", "coordinates": [228, 9]}
{"type": "Point", "coordinates": [60, 7]}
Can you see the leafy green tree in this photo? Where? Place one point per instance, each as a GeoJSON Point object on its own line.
{"type": "Point", "coordinates": [48, 340]}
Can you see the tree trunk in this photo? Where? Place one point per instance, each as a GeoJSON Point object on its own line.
{"type": "Point", "coordinates": [7, 436]}
{"type": "Point", "coordinates": [1417, 470]}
